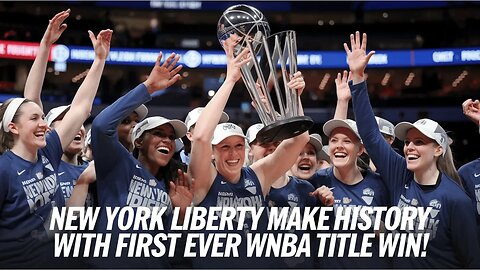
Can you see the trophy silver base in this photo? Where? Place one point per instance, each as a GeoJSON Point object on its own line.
{"type": "Point", "coordinates": [284, 129]}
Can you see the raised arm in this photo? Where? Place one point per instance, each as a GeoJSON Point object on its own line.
{"type": "Point", "coordinates": [357, 56]}
{"type": "Point", "coordinates": [273, 166]}
{"type": "Point", "coordinates": [343, 94]}
{"type": "Point", "coordinates": [201, 167]}
{"type": "Point", "coordinates": [105, 145]}
{"type": "Point", "coordinates": [390, 165]}
{"type": "Point", "coordinates": [80, 191]}
{"type": "Point", "coordinates": [82, 102]}
{"type": "Point", "coordinates": [34, 83]}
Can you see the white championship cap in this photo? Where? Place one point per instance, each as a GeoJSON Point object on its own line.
{"type": "Point", "coordinates": [324, 154]}
{"type": "Point", "coordinates": [56, 113]}
{"type": "Point", "coordinates": [316, 141]}
{"type": "Point", "coordinates": [142, 112]}
{"type": "Point", "coordinates": [385, 126]}
{"type": "Point", "coordinates": [252, 132]}
{"type": "Point", "coordinates": [152, 122]}
{"type": "Point", "coordinates": [332, 124]}
{"type": "Point", "coordinates": [192, 117]}
{"type": "Point", "coordinates": [225, 130]}
{"type": "Point", "coordinates": [428, 127]}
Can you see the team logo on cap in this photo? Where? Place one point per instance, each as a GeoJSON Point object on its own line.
{"type": "Point", "coordinates": [139, 129]}
{"type": "Point", "coordinates": [250, 186]}
{"type": "Point", "coordinates": [442, 139]}
{"type": "Point", "coordinates": [422, 122]}
{"type": "Point", "coordinates": [368, 195]}
{"type": "Point", "coordinates": [229, 126]}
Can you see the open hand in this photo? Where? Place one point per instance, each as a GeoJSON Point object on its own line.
{"type": "Point", "coordinates": [101, 43]}
{"type": "Point", "coordinates": [55, 27]}
{"type": "Point", "coordinates": [181, 191]}
{"type": "Point", "coordinates": [357, 57]}
{"type": "Point", "coordinates": [163, 75]}
{"type": "Point", "coordinates": [341, 82]}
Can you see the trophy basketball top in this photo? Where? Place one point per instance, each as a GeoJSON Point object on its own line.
{"type": "Point", "coordinates": [240, 23]}
{"type": "Point", "coordinates": [271, 55]}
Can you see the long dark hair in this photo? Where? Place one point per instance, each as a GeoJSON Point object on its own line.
{"type": "Point", "coordinates": [167, 173]}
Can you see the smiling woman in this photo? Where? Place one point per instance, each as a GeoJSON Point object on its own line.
{"type": "Point", "coordinates": [122, 178]}
{"type": "Point", "coordinates": [226, 182]}
{"type": "Point", "coordinates": [426, 176]}
{"type": "Point", "coordinates": [29, 187]}
{"type": "Point", "coordinates": [350, 180]}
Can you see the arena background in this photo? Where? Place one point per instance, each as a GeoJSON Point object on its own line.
{"type": "Point", "coordinates": [435, 88]}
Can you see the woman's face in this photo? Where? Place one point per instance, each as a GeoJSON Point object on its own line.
{"type": "Point", "coordinates": [158, 145]}
{"type": "Point", "coordinates": [420, 151]}
{"type": "Point", "coordinates": [259, 151]}
{"type": "Point", "coordinates": [306, 164]}
{"type": "Point", "coordinates": [229, 156]}
{"type": "Point", "coordinates": [125, 129]}
{"type": "Point", "coordinates": [30, 127]}
{"type": "Point", "coordinates": [76, 146]}
{"type": "Point", "coordinates": [344, 148]}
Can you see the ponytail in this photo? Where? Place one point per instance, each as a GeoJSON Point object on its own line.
{"type": "Point", "coordinates": [446, 166]}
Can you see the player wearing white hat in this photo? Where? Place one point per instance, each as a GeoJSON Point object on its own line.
{"type": "Point", "coordinates": [146, 178]}
{"type": "Point", "coordinates": [228, 183]}
{"type": "Point", "coordinates": [426, 177]}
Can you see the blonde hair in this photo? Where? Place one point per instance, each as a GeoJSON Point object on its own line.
{"type": "Point", "coordinates": [6, 138]}
{"type": "Point", "coordinates": [446, 166]}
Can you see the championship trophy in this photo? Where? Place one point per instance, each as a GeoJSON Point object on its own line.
{"type": "Point", "coordinates": [273, 63]}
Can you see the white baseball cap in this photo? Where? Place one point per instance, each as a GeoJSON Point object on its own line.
{"type": "Point", "coordinates": [142, 112]}
{"type": "Point", "coordinates": [332, 124]}
{"type": "Point", "coordinates": [427, 127]}
{"type": "Point", "coordinates": [324, 154]}
{"type": "Point", "coordinates": [152, 122]}
{"type": "Point", "coordinates": [385, 126]}
{"type": "Point", "coordinates": [225, 130]}
{"type": "Point", "coordinates": [55, 113]}
{"type": "Point", "coordinates": [192, 117]}
{"type": "Point", "coordinates": [178, 145]}
{"type": "Point", "coordinates": [316, 141]}
{"type": "Point", "coordinates": [252, 132]}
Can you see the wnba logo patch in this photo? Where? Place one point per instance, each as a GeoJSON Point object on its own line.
{"type": "Point", "coordinates": [436, 205]}
{"type": "Point", "coordinates": [250, 186]}
{"type": "Point", "coordinates": [47, 164]}
{"type": "Point", "coordinates": [368, 195]}
{"type": "Point", "coordinates": [292, 200]}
